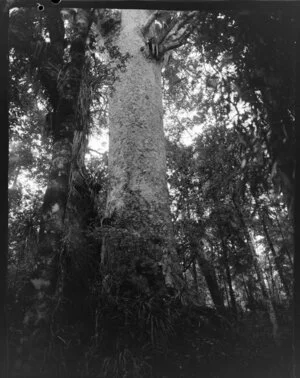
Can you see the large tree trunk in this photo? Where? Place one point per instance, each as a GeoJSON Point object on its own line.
{"type": "Point", "coordinates": [65, 123]}
{"type": "Point", "coordinates": [53, 210]}
{"type": "Point", "coordinates": [138, 195]}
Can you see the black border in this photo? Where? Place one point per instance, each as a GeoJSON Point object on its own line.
{"type": "Point", "coordinates": [208, 5]}
{"type": "Point", "coordinates": [3, 184]}
{"type": "Point", "coordinates": [166, 4]}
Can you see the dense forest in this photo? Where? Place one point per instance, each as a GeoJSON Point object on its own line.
{"type": "Point", "coordinates": [151, 193]}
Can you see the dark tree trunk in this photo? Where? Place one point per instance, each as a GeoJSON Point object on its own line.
{"type": "Point", "coordinates": [270, 308]}
{"type": "Point", "coordinates": [224, 280]}
{"type": "Point", "coordinates": [228, 275]}
{"type": "Point", "coordinates": [194, 272]}
{"type": "Point", "coordinates": [65, 123]}
{"type": "Point", "coordinates": [278, 266]}
{"type": "Point", "coordinates": [284, 238]}
{"type": "Point", "coordinates": [279, 269]}
{"type": "Point", "coordinates": [209, 273]}
{"type": "Point", "coordinates": [272, 283]}
{"type": "Point", "coordinates": [247, 291]}
{"type": "Point", "coordinates": [278, 94]}
{"type": "Point", "coordinates": [211, 281]}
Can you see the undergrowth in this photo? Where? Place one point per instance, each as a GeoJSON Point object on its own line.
{"type": "Point", "coordinates": [119, 320]}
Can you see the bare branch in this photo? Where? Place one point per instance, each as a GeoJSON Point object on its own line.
{"type": "Point", "coordinates": [89, 149]}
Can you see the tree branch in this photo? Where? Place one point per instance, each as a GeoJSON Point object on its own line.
{"type": "Point", "coordinates": [168, 30]}
{"type": "Point", "coordinates": [55, 26]}
{"type": "Point", "coordinates": [149, 22]}
{"type": "Point", "coordinates": [95, 151]}
{"type": "Point", "coordinates": [178, 32]}
{"type": "Point", "coordinates": [176, 42]}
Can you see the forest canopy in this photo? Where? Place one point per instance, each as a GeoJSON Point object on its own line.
{"type": "Point", "coordinates": [151, 192]}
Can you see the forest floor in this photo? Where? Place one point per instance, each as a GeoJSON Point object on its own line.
{"type": "Point", "coordinates": [246, 350]}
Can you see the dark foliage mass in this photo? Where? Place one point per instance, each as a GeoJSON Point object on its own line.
{"type": "Point", "coordinates": [85, 296]}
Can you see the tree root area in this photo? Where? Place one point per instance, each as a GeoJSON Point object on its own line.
{"type": "Point", "coordinates": [195, 346]}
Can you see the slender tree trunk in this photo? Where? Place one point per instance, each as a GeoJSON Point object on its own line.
{"type": "Point", "coordinates": [195, 277]}
{"type": "Point", "coordinates": [252, 298]}
{"type": "Point", "coordinates": [208, 272]}
{"type": "Point", "coordinates": [226, 291]}
{"type": "Point", "coordinates": [251, 244]}
{"type": "Point", "coordinates": [228, 275]}
{"type": "Point", "coordinates": [247, 291]}
{"type": "Point", "coordinates": [138, 195]}
{"type": "Point", "coordinates": [266, 295]}
{"type": "Point", "coordinates": [282, 235]}
{"type": "Point", "coordinates": [278, 266]}
{"type": "Point", "coordinates": [223, 279]}
{"type": "Point", "coordinates": [211, 281]}
{"type": "Point", "coordinates": [273, 285]}
{"type": "Point", "coordinates": [272, 249]}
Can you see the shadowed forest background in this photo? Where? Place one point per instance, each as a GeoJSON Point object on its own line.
{"type": "Point", "coordinates": [151, 193]}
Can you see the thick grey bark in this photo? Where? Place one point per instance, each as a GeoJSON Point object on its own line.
{"type": "Point", "coordinates": [137, 158]}
{"type": "Point", "coordinates": [138, 195]}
